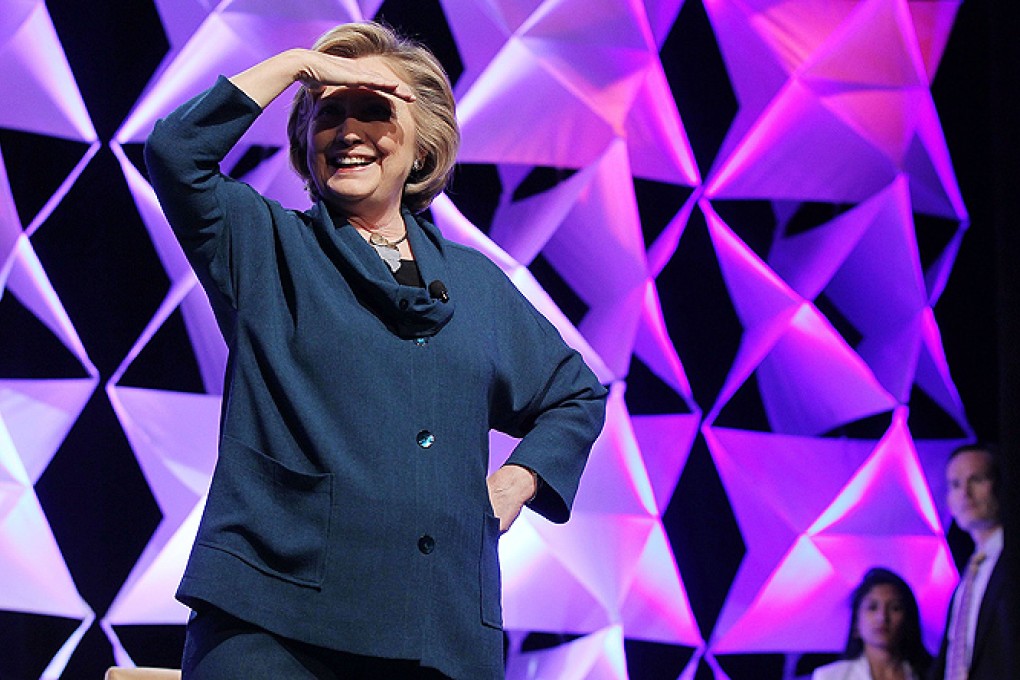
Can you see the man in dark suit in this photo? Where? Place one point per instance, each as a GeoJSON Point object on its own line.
{"type": "Point", "coordinates": [975, 644]}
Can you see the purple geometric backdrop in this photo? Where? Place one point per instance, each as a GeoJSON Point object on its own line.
{"type": "Point", "coordinates": [741, 212]}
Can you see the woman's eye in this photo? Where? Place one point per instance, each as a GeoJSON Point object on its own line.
{"type": "Point", "coordinates": [378, 112]}
{"type": "Point", "coordinates": [328, 108]}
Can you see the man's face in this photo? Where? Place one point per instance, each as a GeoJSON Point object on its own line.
{"type": "Point", "coordinates": [970, 491]}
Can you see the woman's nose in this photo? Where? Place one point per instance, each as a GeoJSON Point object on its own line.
{"type": "Point", "coordinates": [349, 131]}
{"type": "Point", "coordinates": [346, 123]}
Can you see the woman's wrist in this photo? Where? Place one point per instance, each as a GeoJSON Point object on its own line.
{"type": "Point", "coordinates": [538, 485]}
{"type": "Point", "coordinates": [265, 81]}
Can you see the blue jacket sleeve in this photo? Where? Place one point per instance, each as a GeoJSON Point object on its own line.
{"type": "Point", "coordinates": [548, 397]}
{"type": "Point", "coordinates": [203, 206]}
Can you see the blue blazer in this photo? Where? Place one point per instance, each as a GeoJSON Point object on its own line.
{"type": "Point", "coordinates": [348, 508]}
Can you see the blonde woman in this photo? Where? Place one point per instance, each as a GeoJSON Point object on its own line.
{"type": "Point", "coordinates": [351, 530]}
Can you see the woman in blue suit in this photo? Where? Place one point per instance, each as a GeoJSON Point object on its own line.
{"type": "Point", "coordinates": [351, 530]}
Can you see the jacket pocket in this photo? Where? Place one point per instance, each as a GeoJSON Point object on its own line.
{"type": "Point", "coordinates": [492, 606]}
{"type": "Point", "coordinates": [272, 517]}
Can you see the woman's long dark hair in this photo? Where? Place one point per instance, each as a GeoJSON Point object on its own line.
{"type": "Point", "coordinates": [911, 647]}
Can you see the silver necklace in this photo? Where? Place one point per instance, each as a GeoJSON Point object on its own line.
{"type": "Point", "coordinates": [388, 250]}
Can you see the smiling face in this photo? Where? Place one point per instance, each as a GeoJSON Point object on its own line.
{"type": "Point", "coordinates": [880, 618]}
{"type": "Point", "coordinates": [361, 146]}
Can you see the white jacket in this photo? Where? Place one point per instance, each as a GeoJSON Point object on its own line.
{"type": "Point", "coordinates": [853, 669]}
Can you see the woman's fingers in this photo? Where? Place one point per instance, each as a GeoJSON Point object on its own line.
{"type": "Point", "coordinates": [340, 72]}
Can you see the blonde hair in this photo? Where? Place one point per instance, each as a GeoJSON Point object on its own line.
{"type": "Point", "coordinates": [438, 135]}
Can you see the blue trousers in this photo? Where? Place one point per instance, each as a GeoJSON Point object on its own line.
{"type": "Point", "coordinates": [218, 646]}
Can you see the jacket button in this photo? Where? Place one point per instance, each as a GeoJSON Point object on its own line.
{"type": "Point", "coordinates": [426, 439]}
{"type": "Point", "coordinates": [404, 304]}
{"type": "Point", "coordinates": [426, 544]}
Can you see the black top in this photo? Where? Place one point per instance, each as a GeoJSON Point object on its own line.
{"type": "Point", "coordinates": [407, 274]}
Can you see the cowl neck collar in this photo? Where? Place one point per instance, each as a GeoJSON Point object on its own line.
{"type": "Point", "coordinates": [408, 311]}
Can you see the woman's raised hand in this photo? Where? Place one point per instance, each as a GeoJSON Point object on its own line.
{"type": "Point", "coordinates": [322, 71]}
{"type": "Point", "coordinates": [317, 71]}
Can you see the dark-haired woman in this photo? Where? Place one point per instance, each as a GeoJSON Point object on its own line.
{"type": "Point", "coordinates": [884, 642]}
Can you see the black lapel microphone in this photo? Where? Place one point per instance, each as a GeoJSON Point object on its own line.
{"type": "Point", "coordinates": [437, 291]}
